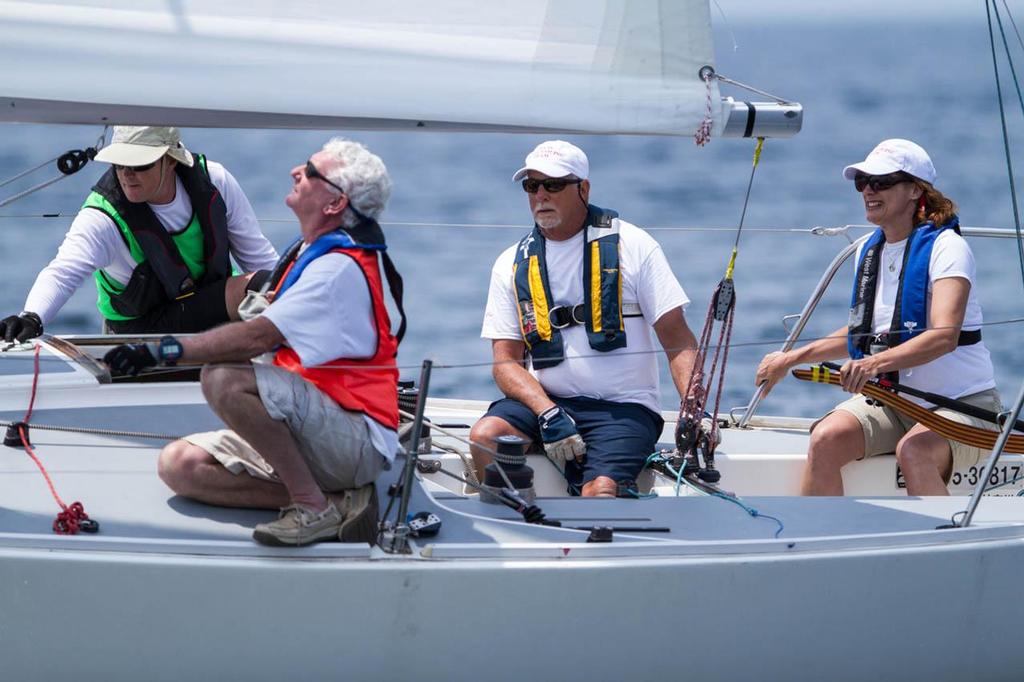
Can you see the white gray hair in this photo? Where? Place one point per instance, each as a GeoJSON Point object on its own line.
{"type": "Point", "coordinates": [363, 176]}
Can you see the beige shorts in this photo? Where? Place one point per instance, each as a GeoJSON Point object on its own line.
{"type": "Point", "coordinates": [334, 442]}
{"type": "Point", "coordinates": [883, 427]}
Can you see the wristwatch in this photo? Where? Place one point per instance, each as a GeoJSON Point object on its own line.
{"type": "Point", "coordinates": [169, 351]}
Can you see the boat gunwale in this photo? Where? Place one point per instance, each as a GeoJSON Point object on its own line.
{"type": "Point", "coordinates": [626, 546]}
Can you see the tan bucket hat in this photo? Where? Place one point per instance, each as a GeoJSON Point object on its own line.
{"type": "Point", "coordinates": [142, 145]}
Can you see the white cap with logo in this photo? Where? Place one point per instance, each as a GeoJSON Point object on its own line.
{"type": "Point", "coordinates": [895, 155]}
{"type": "Point", "coordinates": [555, 159]}
{"type": "Point", "coordinates": [142, 145]}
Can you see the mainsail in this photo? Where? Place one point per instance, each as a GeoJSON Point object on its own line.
{"type": "Point", "coordinates": [586, 66]}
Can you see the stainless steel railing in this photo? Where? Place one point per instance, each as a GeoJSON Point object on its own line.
{"type": "Point", "coordinates": [819, 291]}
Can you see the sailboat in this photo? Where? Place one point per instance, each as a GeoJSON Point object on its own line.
{"type": "Point", "coordinates": [689, 580]}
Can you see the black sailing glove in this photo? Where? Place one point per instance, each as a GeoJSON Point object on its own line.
{"type": "Point", "coordinates": [21, 327]}
{"type": "Point", "coordinates": [130, 358]}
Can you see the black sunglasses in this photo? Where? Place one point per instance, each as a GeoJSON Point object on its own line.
{"type": "Point", "coordinates": [551, 185]}
{"type": "Point", "coordinates": [313, 174]}
{"type": "Point", "coordinates": [877, 183]}
{"type": "Point", "coordinates": [136, 169]}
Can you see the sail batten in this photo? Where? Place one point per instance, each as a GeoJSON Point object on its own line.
{"type": "Point", "coordinates": [586, 66]}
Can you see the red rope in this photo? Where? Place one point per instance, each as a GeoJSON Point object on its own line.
{"type": "Point", "coordinates": [692, 408]}
{"type": "Point", "coordinates": [35, 384]}
{"type": "Point", "coordinates": [71, 517]}
{"type": "Point", "coordinates": [703, 134]}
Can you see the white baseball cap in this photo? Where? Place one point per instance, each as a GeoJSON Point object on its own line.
{"type": "Point", "coordinates": [556, 159]}
{"type": "Point", "coordinates": [142, 145]}
{"type": "Point", "coordinates": [895, 155]}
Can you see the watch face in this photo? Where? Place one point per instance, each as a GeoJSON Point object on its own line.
{"type": "Point", "coordinates": [170, 348]}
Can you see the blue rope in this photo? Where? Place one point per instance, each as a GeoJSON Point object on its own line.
{"type": "Point", "coordinates": [639, 495]}
{"type": "Point", "coordinates": [657, 457]}
{"type": "Point", "coordinates": [750, 510]}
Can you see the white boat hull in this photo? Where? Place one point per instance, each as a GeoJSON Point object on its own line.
{"type": "Point", "coordinates": [691, 586]}
{"type": "Point", "coordinates": [932, 612]}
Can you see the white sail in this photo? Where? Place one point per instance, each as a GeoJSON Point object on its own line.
{"type": "Point", "coordinates": [592, 66]}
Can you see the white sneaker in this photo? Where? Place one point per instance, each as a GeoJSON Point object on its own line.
{"type": "Point", "coordinates": [299, 525]}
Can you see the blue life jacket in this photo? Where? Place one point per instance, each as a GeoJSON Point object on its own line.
{"type": "Point", "coordinates": [910, 314]}
{"type": "Point", "coordinates": [323, 244]}
{"type": "Point", "coordinates": [602, 281]}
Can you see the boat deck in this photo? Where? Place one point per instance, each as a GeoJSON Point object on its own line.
{"type": "Point", "coordinates": [117, 482]}
{"type": "Point", "coordinates": [114, 476]}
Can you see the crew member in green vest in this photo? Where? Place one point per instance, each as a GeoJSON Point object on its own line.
{"type": "Point", "coordinates": [157, 232]}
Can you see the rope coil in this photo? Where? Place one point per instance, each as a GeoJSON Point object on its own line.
{"type": "Point", "coordinates": [72, 518]}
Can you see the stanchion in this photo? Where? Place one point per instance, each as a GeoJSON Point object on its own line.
{"type": "Point", "coordinates": [1004, 435]}
{"type": "Point", "coordinates": [395, 540]}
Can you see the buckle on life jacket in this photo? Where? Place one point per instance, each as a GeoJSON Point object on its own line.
{"type": "Point", "coordinates": [562, 316]}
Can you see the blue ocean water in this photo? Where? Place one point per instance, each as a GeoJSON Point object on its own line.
{"type": "Point", "coordinates": [928, 81]}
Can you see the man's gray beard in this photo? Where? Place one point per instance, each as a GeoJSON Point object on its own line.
{"type": "Point", "coordinates": [548, 222]}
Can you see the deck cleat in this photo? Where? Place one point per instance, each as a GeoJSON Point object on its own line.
{"type": "Point", "coordinates": [12, 438]}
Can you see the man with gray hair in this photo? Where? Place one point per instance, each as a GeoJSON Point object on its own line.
{"type": "Point", "coordinates": [312, 429]}
{"type": "Point", "coordinates": [579, 296]}
{"type": "Point", "coordinates": [157, 232]}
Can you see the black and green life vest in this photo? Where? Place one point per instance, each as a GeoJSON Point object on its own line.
{"type": "Point", "coordinates": [169, 266]}
{"type": "Point", "coordinates": [602, 282]}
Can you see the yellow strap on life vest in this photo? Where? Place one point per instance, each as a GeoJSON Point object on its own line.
{"type": "Point", "coordinates": [622, 318]}
{"type": "Point", "coordinates": [540, 301]}
{"type": "Point", "coordinates": [595, 284]}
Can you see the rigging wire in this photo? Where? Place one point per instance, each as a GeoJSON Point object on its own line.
{"type": "Point", "coordinates": [16, 354]}
{"type": "Point", "coordinates": [728, 26]}
{"type": "Point", "coordinates": [751, 88]}
{"type": "Point", "coordinates": [692, 438]}
{"type": "Point", "coordinates": [817, 230]}
{"type": "Point", "coordinates": [992, 7]}
{"type": "Point", "coordinates": [68, 163]}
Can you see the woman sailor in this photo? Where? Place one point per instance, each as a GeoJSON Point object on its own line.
{"type": "Point", "coordinates": [914, 312]}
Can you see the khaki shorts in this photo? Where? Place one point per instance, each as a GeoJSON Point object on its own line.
{"type": "Point", "coordinates": [334, 442]}
{"type": "Point", "coordinates": [883, 427]}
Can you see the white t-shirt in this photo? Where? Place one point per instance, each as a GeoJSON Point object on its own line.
{"type": "Point", "coordinates": [94, 242]}
{"type": "Point", "coordinates": [966, 370]}
{"type": "Point", "coordinates": [328, 314]}
{"type": "Point", "coordinates": [627, 374]}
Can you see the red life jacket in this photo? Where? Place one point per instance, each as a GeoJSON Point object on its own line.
{"type": "Point", "coordinates": [370, 385]}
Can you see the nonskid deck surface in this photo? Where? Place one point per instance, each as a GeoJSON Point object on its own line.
{"type": "Point", "coordinates": [115, 478]}
{"type": "Point", "coordinates": [117, 483]}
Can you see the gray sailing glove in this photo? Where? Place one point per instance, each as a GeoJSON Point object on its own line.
{"type": "Point", "coordinates": [21, 327]}
{"type": "Point", "coordinates": [707, 425]}
{"type": "Point", "coordinates": [562, 441]}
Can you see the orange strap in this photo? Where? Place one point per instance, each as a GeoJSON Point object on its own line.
{"type": "Point", "coordinates": [947, 428]}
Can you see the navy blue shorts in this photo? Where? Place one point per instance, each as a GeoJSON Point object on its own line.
{"type": "Point", "coordinates": [619, 436]}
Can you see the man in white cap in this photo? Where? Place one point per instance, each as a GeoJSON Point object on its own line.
{"type": "Point", "coordinates": [157, 233]}
{"type": "Point", "coordinates": [578, 296]}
